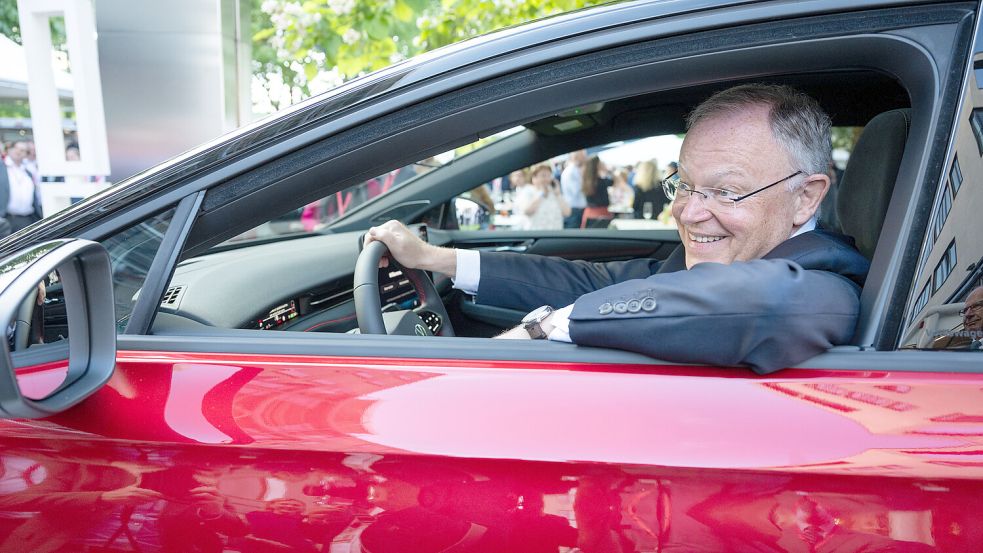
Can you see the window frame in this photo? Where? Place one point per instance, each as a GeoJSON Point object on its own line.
{"type": "Point", "coordinates": [772, 56]}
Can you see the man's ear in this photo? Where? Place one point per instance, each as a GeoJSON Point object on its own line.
{"type": "Point", "coordinates": [809, 196]}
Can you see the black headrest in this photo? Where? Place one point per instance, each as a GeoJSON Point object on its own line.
{"type": "Point", "coordinates": [865, 189]}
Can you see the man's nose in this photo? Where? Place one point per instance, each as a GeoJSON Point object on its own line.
{"type": "Point", "coordinates": [694, 210]}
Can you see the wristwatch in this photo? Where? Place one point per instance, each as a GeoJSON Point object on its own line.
{"type": "Point", "coordinates": [533, 322]}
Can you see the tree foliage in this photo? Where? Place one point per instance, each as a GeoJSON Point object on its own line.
{"type": "Point", "coordinates": [305, 47]}
{"type": "Point", "coordinates": [302, 47]}
{"type": "Point", "coordinates": [10, 25]}
{"type": "Point", "coordinates": [9, 22]}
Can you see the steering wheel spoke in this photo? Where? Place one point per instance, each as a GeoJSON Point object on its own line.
{"type": "Point", "coordinates": [430, 318]}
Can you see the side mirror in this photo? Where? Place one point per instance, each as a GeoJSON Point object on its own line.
{"type": "Point", "coordinates": [471, 214]}
{"type": "Point", "coordinates": [59, 345]}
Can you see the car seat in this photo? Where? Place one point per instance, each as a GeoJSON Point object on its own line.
{"type": "Point", "coordinates": [865, 190]}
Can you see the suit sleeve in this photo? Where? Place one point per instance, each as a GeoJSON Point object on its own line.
{"type": "Point", "coordinates": [525, 282]}
{"type": "Point", "coordinates": [768, 314]}
{"type": "Point", "coordinates": [4, 189]}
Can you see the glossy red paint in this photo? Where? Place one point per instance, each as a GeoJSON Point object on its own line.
{"type": "Point", "coordinates": [38, 381]}
{"type": "Point", "coordinates": [255, 453]}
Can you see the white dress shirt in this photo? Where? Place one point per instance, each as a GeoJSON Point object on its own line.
{"type": "Point", "coordinates": [21, 196]}
{"type": "Point", "coordinates": [570, 185]}
{"type": "Point", "coordinates": [469, 273]}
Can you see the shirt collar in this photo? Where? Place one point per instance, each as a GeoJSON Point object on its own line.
{"type": "Point", "coordinates": [808, 226]}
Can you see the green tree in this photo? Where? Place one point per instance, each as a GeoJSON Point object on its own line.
{"type": "Point", "coordinates": [10, 25]}
{"type": "Point", "coordinates": [845, 138]}
{"type": "Point", "coordinates": [300, 48]}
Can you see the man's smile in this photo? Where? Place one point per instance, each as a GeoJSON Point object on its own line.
{"type": "Point", "coordinates": [704, 238]}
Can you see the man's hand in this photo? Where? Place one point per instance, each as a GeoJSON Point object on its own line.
{"type": "Point", "coordinates": [410, 251]}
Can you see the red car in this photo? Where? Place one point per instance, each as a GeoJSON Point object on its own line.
{"type": "Point", "coordinates": [182, 372]}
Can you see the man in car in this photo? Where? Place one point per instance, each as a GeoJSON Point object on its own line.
{"type": "Point", "coordinates": [754, 282]}
{"type": "Point", "coordinates": [971, 335]}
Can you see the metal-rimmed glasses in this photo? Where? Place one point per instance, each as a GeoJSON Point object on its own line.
{"type": "Point", "coordinates": [680, 191]}
{"type": "Point", "coordinates": [975, 307]}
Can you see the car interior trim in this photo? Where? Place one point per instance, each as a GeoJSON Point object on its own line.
{"type": "Point", "coordinates": [163, 265]}
{"type": "Point", "coordinates": [233, 341]}
{"type": "Point", "coordinates": [894, 262]}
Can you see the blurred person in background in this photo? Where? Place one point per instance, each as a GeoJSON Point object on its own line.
{"type": "Point", "coordinates": [72, 153]}
{"type": "Point", "coordinates": [541, 205]}
{"type": "Point", "coordinates": [19, 202]}
{"type": "Point", "coordinates": [31, 161]}
{"type": "Point", "coordinates": [621, 195]}
{"type": "Point", "coordinates": [518, 179]}
{"type": "Point", "coordinates": [594, 184]}
{"type": "Point", "coordinates": [572, 187]}
{"type": "Point", "coordinates": [648, 189]}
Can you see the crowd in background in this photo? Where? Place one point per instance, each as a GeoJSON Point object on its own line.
{"type": "Point", "coordinates": [580, 191]}
{"type": "Point", "coordinates": [21, 182]}
{"type": "Point", "coordinates": [572, 191]}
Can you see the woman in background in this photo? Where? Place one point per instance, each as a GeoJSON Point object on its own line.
{"type": "Point", "coordinates": [541, 205]}
{"type": "Point", "coordinates": [622, 196]}
{"type": "Point", "coordinates": [595, 189]}
{"type": "Point", "coordinates": [648, 189]}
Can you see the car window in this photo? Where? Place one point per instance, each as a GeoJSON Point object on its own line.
{"type": "Point", "coordinates": [321, 213]}
{"type": "Point", "coordinates": [628, 192]}
{"type": "Point", "coordinates": [614, 186]}
{"type": "Point", "coordinates": [131, 252]}
{"type": "Point", "coordinates": [945, 306]}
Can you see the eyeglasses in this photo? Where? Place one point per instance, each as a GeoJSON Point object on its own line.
{"type": "Point", "coordinates": [680, 191]}
{"type": "Point", "coordinates": [975, 307]}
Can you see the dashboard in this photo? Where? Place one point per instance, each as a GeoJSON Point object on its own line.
{"type": "Point", "coordinates": [299, 284]}
{"type": "Point", "coordinates": [395, 289]}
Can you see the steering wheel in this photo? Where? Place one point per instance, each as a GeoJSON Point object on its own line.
{"type": "Point", "coordinates": [428, 319]}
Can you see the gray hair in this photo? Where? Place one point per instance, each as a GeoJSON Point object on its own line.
{"type": "Point", "coordinates": [798, 124]}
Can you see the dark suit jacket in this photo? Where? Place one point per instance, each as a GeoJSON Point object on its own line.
{"type": "Point", "coordinates": [799, 300]}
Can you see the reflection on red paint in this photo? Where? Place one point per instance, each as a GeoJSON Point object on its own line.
{"type": "Point", "coordinates": [38, 381]}
{"type": "Point", "coordinates": [248, 453]}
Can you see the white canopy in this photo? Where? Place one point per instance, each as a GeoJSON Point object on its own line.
{"type": "Point", "coordinates": [13, 73]}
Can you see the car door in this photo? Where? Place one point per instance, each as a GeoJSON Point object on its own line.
{"type": "Point", "coordinates": [254, 440]}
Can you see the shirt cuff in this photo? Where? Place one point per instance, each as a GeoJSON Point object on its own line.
{"type": "Point", "coordinates": [468, 271]}
{"type": "Point", "coordinates": [561, 325]}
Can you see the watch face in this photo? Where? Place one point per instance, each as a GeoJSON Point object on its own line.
{"type": "Point", "coordinates": [537, 314]}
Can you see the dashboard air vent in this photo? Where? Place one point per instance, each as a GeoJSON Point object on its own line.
{"type": "Point", "coordinates": [172, 297]}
